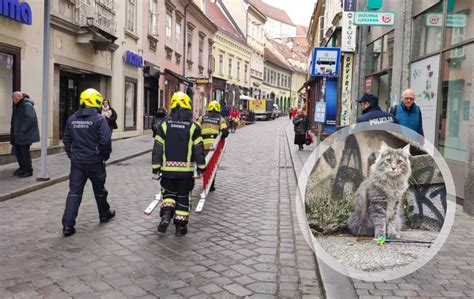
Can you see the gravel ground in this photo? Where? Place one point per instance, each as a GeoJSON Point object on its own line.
{"type": "Point", "coordinates": [367, 256]}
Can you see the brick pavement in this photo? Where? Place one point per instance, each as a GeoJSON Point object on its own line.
{"type": "Point", "coordinates": [450, 274]}
{"type": "Point", "coordinates": [246, 243]}
{"type": "Point", "coordinates": [58, 166]}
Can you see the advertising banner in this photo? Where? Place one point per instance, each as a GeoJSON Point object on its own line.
{"type": "Point", "coordinates": [319, 112]}
{"type": "Point", "coordinates": [325, 62]}
{"type": "Point", "coordinates": [346, 92]}
{"type": "Point", "coordinates": [331, 105]}
{"type": "Point", "coordinates": [424, 81]}
{"type": "Point", "coordinates": [257, 105]}
{"type": "Point", "coordinates": [348, 43]}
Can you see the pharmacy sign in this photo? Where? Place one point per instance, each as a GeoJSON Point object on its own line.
{"type": "Point", "coordinates": [374, 18]}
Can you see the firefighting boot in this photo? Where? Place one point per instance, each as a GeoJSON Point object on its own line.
{"type": "Point", "coordinates": [165, 221]}
{"type": "Point", "coordinates": [181, 229]}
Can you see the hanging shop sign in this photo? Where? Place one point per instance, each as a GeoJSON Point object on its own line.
{"type": "Point", "coordinates": [348, 61]}
{"type": "Point", "coordinates": [17, 11]}
{"type": "Point", "coordinates": [374, 18]}
{"type": "Point", "coordinates": [350, 5]}
{"type": "Point", "coordinates": [456, 20]}
{"type": "Point", "coordinates": [348, 43]}
{"type": "Point", "coordinates": [325, 62]}
{"type": "Point", "coordinates": [133, 59]}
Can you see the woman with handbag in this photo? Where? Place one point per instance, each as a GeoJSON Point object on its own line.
{"type": "Point", "coordinates": [300, 123]}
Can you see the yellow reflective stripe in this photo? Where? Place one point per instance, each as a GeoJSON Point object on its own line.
{"type": "Point", "coordinates": [164, 126]}
{"type": "Point", "coordinates": [159, 139]}
{"type": "Point", "coordinates": [198, 140]}
{"type": "Point", "coordinates": [223, 124]}
{"type": "Point", "coordinates": [182, 213]}
{"type": "Point", "coordinates": [190, 142]}
{"type": "Point", "coordinates": [203, 166]}
{"type": "Point", "coordinates": [177, 169]}
{"type": "Point", "coordinates": [209, 131]}
{"type": "Point", "coordinates": [155, 166]}
{"type": "Point", "coordinates": [208, 141]}
{"type": "Point", "coordinates": [168, 201]}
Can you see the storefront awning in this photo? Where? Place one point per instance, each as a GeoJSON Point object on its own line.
{"type": "Point", "coordinates": [180, 78]}
{"type": "Point", "coordinates": [307, 83]}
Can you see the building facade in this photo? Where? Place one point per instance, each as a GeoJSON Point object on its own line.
{"type": "Point", "coordinates": [277, 76]}
{"type": "Point", "coordinates": [278, 24]}
{"type": "Point", "coordinates": [231, 77]}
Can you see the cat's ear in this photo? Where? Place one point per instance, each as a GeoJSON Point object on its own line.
{"type": "Point", "coordinates": [406, 149]}
{"type": "Point", "coordinates": [383, 146]}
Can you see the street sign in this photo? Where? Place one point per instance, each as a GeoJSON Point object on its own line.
{"type": "Point", "coordinates": [346, 89]}
{"type": "Point", "coordinates": [374, 18]}
{"type": "Point", "coordinates": [325, 62]}
{"type": "Point", "coordinates": [348, 42]}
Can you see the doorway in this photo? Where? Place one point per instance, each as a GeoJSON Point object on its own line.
{"type": "Point", "coordinates": [150, 102]}
{"type": "Point", "coordinates": [68, 99]}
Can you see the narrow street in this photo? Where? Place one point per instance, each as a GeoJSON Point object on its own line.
{"type": "Point", "coordinates": [246, 243]}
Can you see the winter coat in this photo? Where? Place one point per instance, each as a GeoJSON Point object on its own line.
{"type": "Point", "coordinates": [409, 117]}
{"type": "Point", "coordinates": [87, 137]}
{"type": "Point", "coordinates": [301, 124]}
{"type": "Point", "coordinates": [374, 115]}
{"type": "Point", "coordinates": [24, 123]}
{"type": "Point", "coordinates": [112, 120]}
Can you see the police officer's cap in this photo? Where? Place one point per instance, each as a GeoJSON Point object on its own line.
{"type": "Point", "coordinates": [368, 98]}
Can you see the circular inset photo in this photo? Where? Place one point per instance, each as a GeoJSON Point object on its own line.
{"type": "Point", "coordinates": [377, 205]}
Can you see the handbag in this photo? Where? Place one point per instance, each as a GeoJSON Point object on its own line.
{"type": "Point", "coordinates": [309, 138]}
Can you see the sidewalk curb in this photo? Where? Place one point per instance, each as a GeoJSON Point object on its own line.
{"type": "Point", "coordinates": [61, 178]}
{"type": "Point", "coordinates": [334, 284]}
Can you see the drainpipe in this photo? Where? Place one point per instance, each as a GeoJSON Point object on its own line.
{"type": "Point", "coordinates": [43, 176]}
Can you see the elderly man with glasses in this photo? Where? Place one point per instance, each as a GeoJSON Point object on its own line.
{"type": "Point", "coordinates": [407, 113]}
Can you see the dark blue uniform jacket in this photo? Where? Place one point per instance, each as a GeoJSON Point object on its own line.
{"type": "Point", "coordinates": [87, 137]}
{"type": "Point", "coordinates": [374, 115]}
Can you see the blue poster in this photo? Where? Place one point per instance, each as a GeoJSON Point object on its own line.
{"type": "Point", "coordinates": [331, 105]}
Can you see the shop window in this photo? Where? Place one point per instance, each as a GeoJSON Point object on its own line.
{"type": "Point", "coordinates": [189, 53]}
{"type": "Point", "coordinates": [427, 31]}
{"type": "Point", "coordinates": [9, 82]}
{"type": "Point", "coordinates": [459, 20]}
{"type": "Point", "coordinates": [456, 96]}
{"type": "Point", "coordinates": [130, 103]}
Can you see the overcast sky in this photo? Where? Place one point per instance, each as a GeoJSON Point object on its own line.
{"type": "Point", "coordinates": [299, 10]}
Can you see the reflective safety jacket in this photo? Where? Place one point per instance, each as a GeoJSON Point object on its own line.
{"type": "Point", "coordinates": [211, 124]}
{"type": "Point", "coordinates": [178, 146]}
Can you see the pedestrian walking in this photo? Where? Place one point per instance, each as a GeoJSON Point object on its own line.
{"type": "Point", "coordinates": [178, 146]}
{"type": "Point", "coordinates": [371, 111]}
{"type": "Point", "coordinates": [294, 112]}
{"type": "Point", "coordinates": [87, 140]}
{"type": "Point", "coordinates": [234, 119]}
{"type": "Point", "coordinates": [158, 118]}
{"type": "Point", "coordinates": [212, 123]}
{"type": "Point", "coordinates": [300, 123]}
{"type": "Point", "coordinates": [290, 112]}
{"type": "Point", "coordinates": [408, 113]}
{"type": "Point", "coordinates": [23, 132]}
{"type": "Point", "coordinates": [110, 115]}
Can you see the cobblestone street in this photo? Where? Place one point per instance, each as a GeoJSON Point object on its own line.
{"type": "Point", "coordinates": [246, 243]}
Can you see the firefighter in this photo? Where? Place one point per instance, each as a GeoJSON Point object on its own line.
{"type": "Point", "coordinates": [87, 140]}
{"type": "Point", "coordinates": [211, 124]}
{"type": "Point", "coordinates": [178, 146]}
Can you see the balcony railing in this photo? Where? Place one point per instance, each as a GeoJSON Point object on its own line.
{"type": "Point", "coordinates": [99, 14]}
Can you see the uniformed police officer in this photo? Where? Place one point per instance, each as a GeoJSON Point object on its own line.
{"type": "Point", "coordinates": [371, 111]}
{"type": "Point", "coordinates": [178, 146]}
{"type": "Point", "coordinates": [212, 123]}
{"type": "Point", "coordinates": [87, 140]}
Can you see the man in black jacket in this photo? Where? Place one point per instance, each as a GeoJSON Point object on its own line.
{"type": "Point", "coordinates": [87, 140]}
{"type": "Point", "coordinates": [371, 111]}
{"type": "Point", "coordinates": [24, 131]}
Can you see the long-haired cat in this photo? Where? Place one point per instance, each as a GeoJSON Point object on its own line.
{"type": "Point", "coordinates": [377, 201]}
